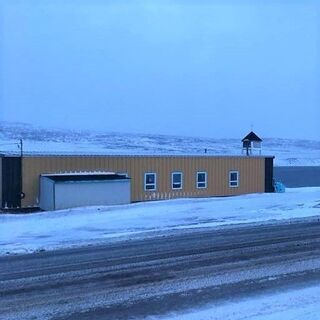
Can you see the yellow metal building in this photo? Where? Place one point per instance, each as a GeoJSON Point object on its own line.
{"type": "Point", "coordinates": [152, 177]}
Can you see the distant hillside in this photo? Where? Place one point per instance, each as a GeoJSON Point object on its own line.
{"type": "Point", "coordinates": [39, 140]}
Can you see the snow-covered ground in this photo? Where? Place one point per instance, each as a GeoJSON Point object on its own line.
{"type": "Point", "coordinates": [39, 140]}
{"type": "Point", "coordinates": [294, 304]}
{"type": "Point", "coordinates": [49, 230]}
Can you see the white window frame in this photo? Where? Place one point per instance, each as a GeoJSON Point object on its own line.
{"type": "Point", "coordinates": [233, 183]}
{"type": "Point", "coordinates": [148, 184]}
{"type": "Point", "coordinates": [181, 184]}
{"type": "Point", "coordinates": [205, 182]}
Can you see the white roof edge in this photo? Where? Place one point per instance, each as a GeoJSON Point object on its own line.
{"type": "Point", "coordinates": [84, 173]}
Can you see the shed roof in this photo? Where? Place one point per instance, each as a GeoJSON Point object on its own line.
{"type": "Point", "coordinates": [85, 176]}
{"type": "Point", "coordinates": [251, 137]}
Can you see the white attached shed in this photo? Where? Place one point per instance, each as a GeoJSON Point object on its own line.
{"type": "Point", "coordinates": [69, 190]}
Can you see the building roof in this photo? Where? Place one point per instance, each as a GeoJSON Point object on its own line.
{"type": "Point", "coordinates": [133, 155]}
{"type": "Point", "coordinates": [251, 137]}
{"type": "Point", "coordinates": [85, 176]}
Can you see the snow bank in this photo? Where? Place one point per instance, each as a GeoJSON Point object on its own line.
{"type": "Point", "coordinates": [48, 230]}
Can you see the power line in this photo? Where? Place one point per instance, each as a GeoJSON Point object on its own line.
{"type": "Point", "coordinates": [9, 144]}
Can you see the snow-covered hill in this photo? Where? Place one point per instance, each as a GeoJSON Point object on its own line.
{"type": "Point", "coordinates": [40, 140]}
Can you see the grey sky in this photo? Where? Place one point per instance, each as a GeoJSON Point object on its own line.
{"type": "Point", "coordinates": [201, 68]}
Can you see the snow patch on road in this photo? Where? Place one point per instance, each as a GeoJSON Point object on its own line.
{"type": "Point", "coordinates": [290, 305]}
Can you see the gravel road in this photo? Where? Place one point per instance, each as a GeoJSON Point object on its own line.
{"type": "Point", "coordinates": [139, 278]}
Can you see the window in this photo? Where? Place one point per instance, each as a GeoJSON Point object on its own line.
{"type": "Point", "coordinates": [256, 144]}
{"type": "Point", "coordinates": [150, 181]}
{"type": "Point", "coordinates": [176, 180]}
{"type": "Point", "coordinates": [234, 179]}
{"type": "Point", "coordinates": [201, 180]}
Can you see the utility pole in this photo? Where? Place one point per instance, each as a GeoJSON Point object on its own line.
{"type": "Point", "coordinates": [22, 194]}
{"type": "Point", "coordinates": [21, 149]}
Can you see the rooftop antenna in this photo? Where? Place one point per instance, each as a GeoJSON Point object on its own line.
{"type": "Point", "coordinates": [251, 126]}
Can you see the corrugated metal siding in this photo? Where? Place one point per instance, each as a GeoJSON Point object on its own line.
{"type": "Point", "coordinates": [251, 169]}
{"type": "Point", "coordinates": [46, 194]}
{"type": "Point", "coordinates": [89, 193]}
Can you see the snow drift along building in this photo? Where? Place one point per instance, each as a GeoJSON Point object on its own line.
{"type": "Point", "coordinates": [151, 177]}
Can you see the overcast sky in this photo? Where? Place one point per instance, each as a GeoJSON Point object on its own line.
{"type": "Point", "coordinates": [200, 68]}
